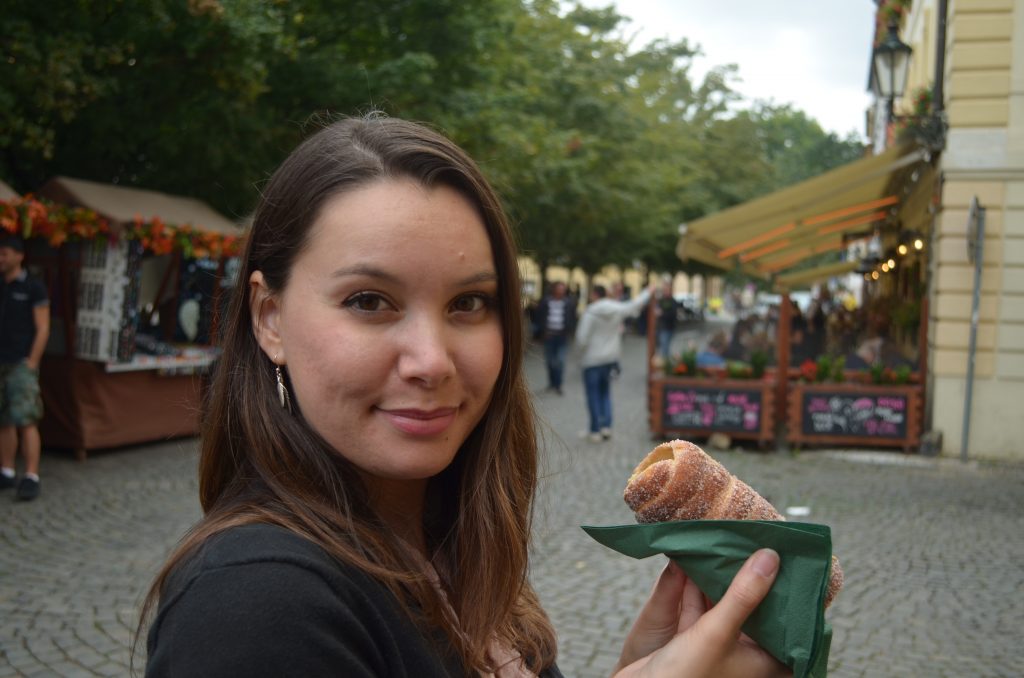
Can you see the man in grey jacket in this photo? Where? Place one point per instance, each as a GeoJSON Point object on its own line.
{"type": "Point", "coordinates": [599, 336]}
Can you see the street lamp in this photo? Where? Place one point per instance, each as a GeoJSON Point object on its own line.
{"type": "Point", "coordinates": [890, 60]}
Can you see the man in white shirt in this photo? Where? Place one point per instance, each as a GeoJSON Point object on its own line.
{"type": "Point", "coordinates": [599, 335]}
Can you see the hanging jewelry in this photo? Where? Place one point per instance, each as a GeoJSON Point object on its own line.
{"type": "Point", "coordinates": [282, 390]}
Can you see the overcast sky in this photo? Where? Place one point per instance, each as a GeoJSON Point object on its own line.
{"type": "Point", "coordinates": [813, 54]}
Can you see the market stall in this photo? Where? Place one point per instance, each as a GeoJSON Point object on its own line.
{"type": "Point", "coordinates": [841, 373]}
{"type": "Point", "coordinates": [134, 305]}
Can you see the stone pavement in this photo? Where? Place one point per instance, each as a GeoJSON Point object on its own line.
{"type": "Point", "coordinates": [932, 549]}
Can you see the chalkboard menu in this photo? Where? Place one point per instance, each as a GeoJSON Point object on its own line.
{"type": "Point", "coordinates": [871, 415]}
{"type": "Point", "coordinates": [711, 408]}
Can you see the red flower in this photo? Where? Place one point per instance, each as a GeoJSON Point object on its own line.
{"type": "Point", "coordinates": [809, 370]}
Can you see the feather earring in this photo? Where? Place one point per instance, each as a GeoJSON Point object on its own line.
{"type": "Point", "coordinates": [282, 390]}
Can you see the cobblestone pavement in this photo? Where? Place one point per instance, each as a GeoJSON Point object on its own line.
{"type": "Point", "coordinates": [932, 549]}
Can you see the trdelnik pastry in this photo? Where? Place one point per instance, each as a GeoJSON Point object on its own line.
{"type": "Point", "coordinates": [679, 481]}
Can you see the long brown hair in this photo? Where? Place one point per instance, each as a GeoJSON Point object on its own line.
{"type": "Point", "coordinates": [261, 464]}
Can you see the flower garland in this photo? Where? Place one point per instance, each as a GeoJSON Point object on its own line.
{"type": "Point", "coordinates": [30, 217]}
{"type": "Point", "coordinates": [161, 238]}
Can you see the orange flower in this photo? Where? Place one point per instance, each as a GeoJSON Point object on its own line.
{"type": "Point", "coordinates": [809, 370]}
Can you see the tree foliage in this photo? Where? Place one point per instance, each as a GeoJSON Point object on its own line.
{"type": "Point", "coordinates": [599, 147]}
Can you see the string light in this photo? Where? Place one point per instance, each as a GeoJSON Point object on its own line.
{"type": "Point", "coordinates": [885, 267]}
{"type": "Point", "coordinates": [902, 249]}
{"type": "Point", "coordinates": [874, 275]}
{"type": "Point", "coordinates": [918, 244]}
{"type": "Point", "coordinates": [892, 263]}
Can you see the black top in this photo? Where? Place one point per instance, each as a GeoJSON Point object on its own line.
{"type": "Point", "coordinates": [17, 325]}
{"type": "Point", "coordinates": [669, 313]}
{"type": "Point", "coordinates": [259, 600]}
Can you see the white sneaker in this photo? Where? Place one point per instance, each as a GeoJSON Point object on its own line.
{"type": "Point", "coordinates": [606, 433]}
{"type": "Point", "coordinates": [595, 437]}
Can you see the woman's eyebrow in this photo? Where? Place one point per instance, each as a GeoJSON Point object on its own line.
{"type": "Point", "coordinates": [478, 278]}
{"type": "Point", "coordinates": [369, 271]}
{"type": "Point", "coordinates": [364, 270]}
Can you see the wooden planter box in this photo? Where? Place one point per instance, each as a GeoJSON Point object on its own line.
{"type": "Point", "coordinates": [698, 407]}
{"type": "Point", "coordinates": [872, 415]}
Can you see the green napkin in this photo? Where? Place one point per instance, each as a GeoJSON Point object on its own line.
{"type": "Point", "coordinates": [790, 622]}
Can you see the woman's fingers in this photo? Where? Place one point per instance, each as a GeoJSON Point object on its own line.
{"type": "Point", "coordinates": [659, 619]}
{"type": "Point", "coordinates": [721, 625]}
{"type": "Point", "coordinates": [708, 642]}
{"type": "Point", "coordinates": [749, 659]}
{"type": "Point", "coordinates": [662, 609]}
{"type": "Point", "coordinates": [694, 606]}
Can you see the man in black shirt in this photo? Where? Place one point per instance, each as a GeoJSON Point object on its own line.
{"type": "Point", "coordinates": [24, 329]}
{"type": "Point", "coordinates": [556, 314]}
{"type": "Point", "coordinates": [667, 312]}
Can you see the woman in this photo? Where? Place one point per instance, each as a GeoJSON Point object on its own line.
{"type": "Point", "coordinates": [368, 459]}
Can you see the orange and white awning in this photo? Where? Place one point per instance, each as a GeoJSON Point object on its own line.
{"type": "Point", "coordinates": [767, 236]}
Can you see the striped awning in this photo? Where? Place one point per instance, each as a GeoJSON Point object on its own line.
{"type": "Point", "coordinates": [767, 236]}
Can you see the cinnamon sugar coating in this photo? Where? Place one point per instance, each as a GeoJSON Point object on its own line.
{"type": "Point", "coordinates": [677, 480]}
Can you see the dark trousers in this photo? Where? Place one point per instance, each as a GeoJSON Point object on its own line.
{"type": "Point", "coordinates": [555, 348]}
{"type": "Point", "coordinates": [597, 381]}
{"type": "Point", "coordinates": [664, 337]}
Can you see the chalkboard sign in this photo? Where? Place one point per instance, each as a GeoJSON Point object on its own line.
{"type": "Point", "coordinates": [711, 408]}
{"type": "Point", "coordinates": [871, 415]}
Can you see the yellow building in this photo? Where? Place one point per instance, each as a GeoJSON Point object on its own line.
{"type": "Point", "coordinates": [983, 160]}
{"type": "Point", "coordinates": [969, 148]}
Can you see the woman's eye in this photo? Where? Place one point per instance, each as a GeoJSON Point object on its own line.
{"type": "Point", "coordinates": [471, 303]}
{"type": "Point", "coordinates": [367, 302]}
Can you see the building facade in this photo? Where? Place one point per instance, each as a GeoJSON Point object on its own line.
{"type": "Point", "coordinates": [982, 66]}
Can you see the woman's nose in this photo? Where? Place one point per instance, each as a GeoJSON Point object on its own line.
{"type": "Point", "coordinates": [425, 354]}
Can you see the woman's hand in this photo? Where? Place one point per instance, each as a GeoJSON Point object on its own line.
{"type": "Point", "coordinates": [678, 635]}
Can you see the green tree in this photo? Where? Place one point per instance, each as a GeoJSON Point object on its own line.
{"type": "Point", "coordinates": [600, 150]}
{"type": "Point", "coordinates": [795, 147]}
{"type": "Point", "coordinates": [205, 97]}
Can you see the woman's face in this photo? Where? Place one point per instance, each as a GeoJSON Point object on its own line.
{"type": "Point", "coordinates": [389, 327]}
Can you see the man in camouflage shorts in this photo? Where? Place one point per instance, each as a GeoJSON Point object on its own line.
{"type": "Point", "coordinates": [24, 329]}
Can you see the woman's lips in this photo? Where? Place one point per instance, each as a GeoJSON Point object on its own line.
{"type": "Point", "coordinates": [421, 422]}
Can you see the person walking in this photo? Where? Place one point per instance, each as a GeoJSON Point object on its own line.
{"type": "Point", "coordinates": [667, 313]}
{"type": "Point", "coordinates": [556, 315]}
{"type": "Point", "coordinates": [24, 329]}
{"type": "Point", "coordinates": [599, 337]}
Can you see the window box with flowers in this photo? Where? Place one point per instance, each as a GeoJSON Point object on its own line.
{"type": "Point", "coordinates": [921, 125]}
{"type": "Point", "coordinates": [878, 407]}
{"type": "Point", "coordinates": [737, 399]}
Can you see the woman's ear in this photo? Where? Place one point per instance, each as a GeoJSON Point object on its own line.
{"type": "Point", "coordinates": [265, 309]}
